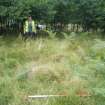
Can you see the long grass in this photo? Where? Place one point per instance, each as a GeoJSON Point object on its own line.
{"type": "Point", "coordinates": [73, 66]}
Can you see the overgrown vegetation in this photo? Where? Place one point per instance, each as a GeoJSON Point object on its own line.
{"type": "Point", "coordinates": [72, 66]}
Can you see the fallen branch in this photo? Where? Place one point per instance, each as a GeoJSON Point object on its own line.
{"type": "Point", "coordinates": [49, 96]}
{"type": "Point", "coordinates": [45, 96]}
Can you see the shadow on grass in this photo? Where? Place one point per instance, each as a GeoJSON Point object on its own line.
{"type": "Point", "coordinates": [9, 39]}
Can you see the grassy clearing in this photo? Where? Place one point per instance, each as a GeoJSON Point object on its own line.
{"type": "Point", "coordinates": [72, 66]}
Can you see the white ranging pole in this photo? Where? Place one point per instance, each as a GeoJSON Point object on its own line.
{"type": "Point", "coordinates": [45, 96]}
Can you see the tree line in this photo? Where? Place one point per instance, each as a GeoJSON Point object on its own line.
{"type": "Point", "coordinates": [89, 14]}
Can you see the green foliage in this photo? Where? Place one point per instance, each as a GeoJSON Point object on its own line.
{"type": "Point", "coordinates": [90, 14]}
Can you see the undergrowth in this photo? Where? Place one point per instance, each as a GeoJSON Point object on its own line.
{"type": "Point", "coordinates": [73, 66]}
